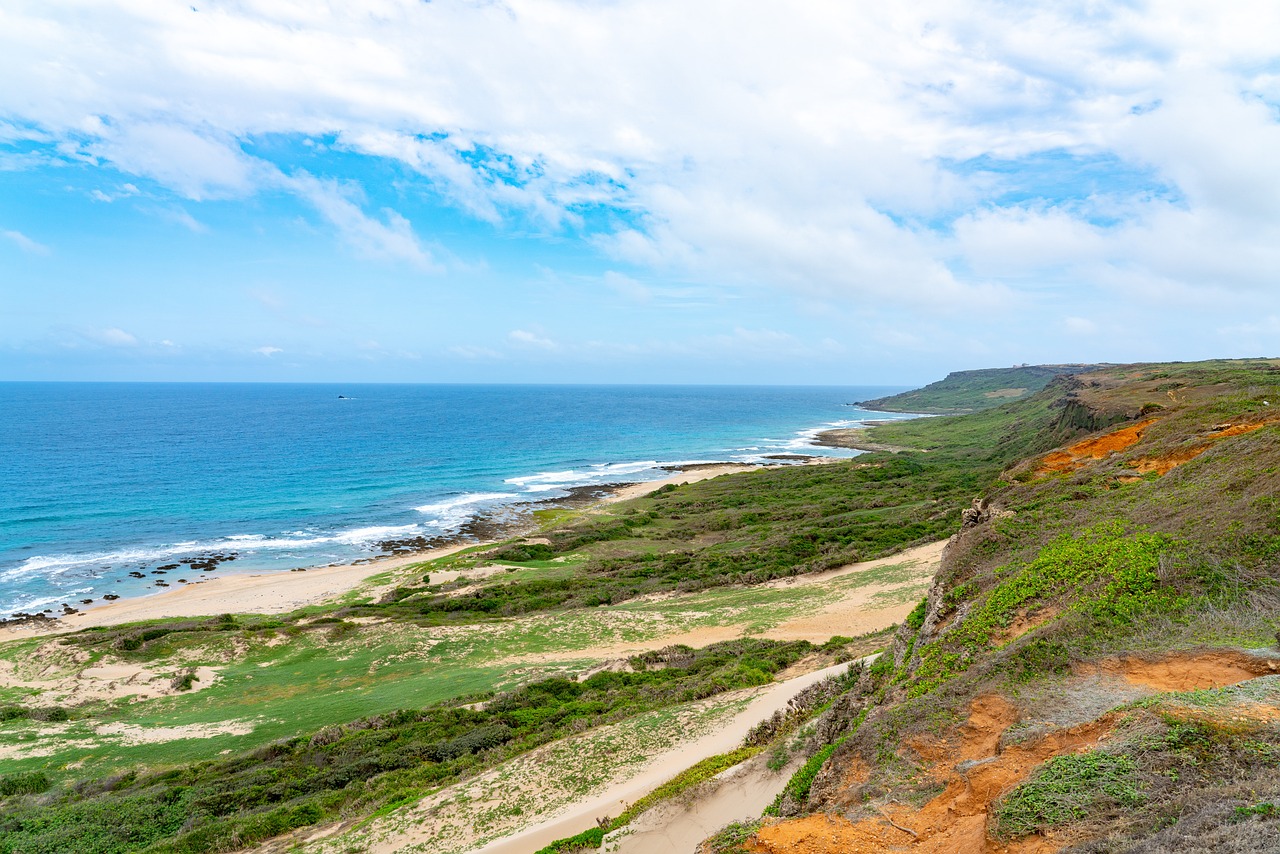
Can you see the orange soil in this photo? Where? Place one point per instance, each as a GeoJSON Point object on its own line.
{"type": "Point", "coordinates": [1234, 430]}
{"type": "Point", "coordinates": [1163, 465]}
{"type": "Point", "coordinates": [1096, 448]}
{"type": "Point", "coordinates": [976, 771]}
{"type": "Point", "coordinates": [1078, 455]}
{"type": "Point", "coordinates": [1186, 672]}
{"type": "Point", "coordinates": [954, 822]}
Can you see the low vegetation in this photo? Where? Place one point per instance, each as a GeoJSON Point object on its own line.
{"type": "Point", "coordinates": [1166, 544]}
{"type": "Point", "coordinates": [368, 764]}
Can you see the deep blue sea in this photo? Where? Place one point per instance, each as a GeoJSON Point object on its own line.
{"type": "Point", "coordinates": [100, 480]}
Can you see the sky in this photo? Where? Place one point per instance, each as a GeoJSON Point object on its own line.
{"type": "Point", "coordinates": [718, 191]}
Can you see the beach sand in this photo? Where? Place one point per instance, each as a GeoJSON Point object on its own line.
{"type": "Point", "coordinates": [281, 591]}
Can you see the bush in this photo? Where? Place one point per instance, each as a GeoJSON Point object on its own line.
{"type": "Point", "coordinates": [526, 552]}
{"type": "Point", "coordinates": [28, 783]}
{"type": "Point", "coordinates": [588, 840]}
{"type": "Point", "coordinates": [1068, 788]}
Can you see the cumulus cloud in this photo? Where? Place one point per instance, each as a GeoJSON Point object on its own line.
{"type": "Point", "coordinates": [826, 149]}
{"type": "Point", "coordinates": [267, 351]}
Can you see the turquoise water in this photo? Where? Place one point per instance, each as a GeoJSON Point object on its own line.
{"type": "Point", "coordinates": [100, 480]}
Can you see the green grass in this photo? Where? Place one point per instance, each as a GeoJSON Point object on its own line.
{"type": "Point", "coordinates": [969, 391]}
{"type": "Point", "coordinates": [365, 764]}
{"type": "Point", "coordinates": [1106, 572]}
{"type": "Point", "coordinates": [1067, 789]}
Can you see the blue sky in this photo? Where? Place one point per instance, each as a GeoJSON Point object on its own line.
{"type": "Point", "coordinates": [559, 191]}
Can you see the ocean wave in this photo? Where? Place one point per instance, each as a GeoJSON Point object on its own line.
{"type": "Point", "coordinates": [40, 602]}
{"type": "Point", "coordinates": [455, 512]}
{"type": "Point", "coordinates": [59, 564]}
{"type": "Point", "coordinates": [601, 473]}
{"type": "Point", "coordinates": [463, 501]}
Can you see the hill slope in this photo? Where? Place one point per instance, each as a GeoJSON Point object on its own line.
{"type": "Point", "coordinates": [970, 391]}
{"type": "Point", "coordinates": [1095, 666]}
{"type": "Point", "coordinates": [1091, 668]}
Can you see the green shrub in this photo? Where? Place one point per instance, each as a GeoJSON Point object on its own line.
{"type": "Point", "coordinates": [526, 552]}
{"type": "Point", "coordinates": [1068, 788]}
{"type": "Point", "coordinates": [28, 783]}
{"type": "Point", "coordinates": [588, 840]}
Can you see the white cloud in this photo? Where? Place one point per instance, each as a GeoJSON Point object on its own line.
{"type": "Point", "coordinates": [1079, 326]}
{"type": "Point", "coordinates": [627, 287]}
{"type": "Point", "coordinates": [473, 353]}
{"type": "Point", "coordinates": [267, 351]}
{"type": "Point", "coordinates": [180, 216]}
{"type": "Point", "coordinates": [197, 165]}
{"type": "Point", "coordinates": [124, 191]}
{"type": "Point", "coordinates": [26, 244]}
{"type": "Point", "coordinates": [390, 238]}
{"type": "Point", "coordinates": [525, 338]}
{"type": "Point", "coordinates": [112, 337]}
{"type": "Point", "coordinates": [811, 147]}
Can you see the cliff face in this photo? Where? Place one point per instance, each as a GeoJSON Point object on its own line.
{"type": "Point", "coordinates": [1093, 667]}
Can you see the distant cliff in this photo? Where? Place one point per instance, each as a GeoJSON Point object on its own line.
{"type": "Point", "coordinates": [971, 391]}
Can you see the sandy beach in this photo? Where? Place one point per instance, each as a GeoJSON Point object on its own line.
{"type": "Point", "coordinates": [281, 591]}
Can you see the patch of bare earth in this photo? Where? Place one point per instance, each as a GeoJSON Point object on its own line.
{"type": "Point", "coordinates": [1185, 671]}
{"type": "Point", "coordinates": [1025, 622]}
{"type": "Point", "coordinates": [1166, 463]}
{"type": "Point", "coordinates": [976, 766]}
{"type": "Point", "coordinates": [1097, 448]}
{"type": "Point", "coordinates": [65, 681]}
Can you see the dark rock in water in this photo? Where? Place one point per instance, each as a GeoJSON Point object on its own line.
{"type": "Point", "coordinates": [168, 566]}
{"type": "Point", "coordinates": [162, 584]}
{"type": "Point", "coordinates": [86, 601]}
{"type": "Point", "coordinates": [159, 571]}
{"type": "Point", "coordinates": [111, 597]}
{"type": "Point", "coordinates": [343, 397]}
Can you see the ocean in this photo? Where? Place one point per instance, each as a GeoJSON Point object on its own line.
{"type": "Point", "coordinates": [103, 484]}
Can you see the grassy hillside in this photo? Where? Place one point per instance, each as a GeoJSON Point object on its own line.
{"type": "Point", "coordinates": [1092, 659]}
{"type": "Point", "coordinates": [970, 391]}
{"type": "Point", "coordinates": [1092, 668]}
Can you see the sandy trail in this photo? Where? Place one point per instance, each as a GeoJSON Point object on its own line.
{"type": "Point", "coordinates": [657, 771]}
{"type": "Point", "coordinates": [739, 794]}
{"type": "Point", "coordinates": [282, 591]}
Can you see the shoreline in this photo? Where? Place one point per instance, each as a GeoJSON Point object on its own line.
{"type": "Point", "coordinates": [280, 591]}
{"type": "Point", "coordinates": [852, 439]}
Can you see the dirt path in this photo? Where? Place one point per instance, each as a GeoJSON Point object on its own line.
{"type": "Point", "coordinates": [738, 794]}
{"type": "Point", "coordinates": [657, 771]}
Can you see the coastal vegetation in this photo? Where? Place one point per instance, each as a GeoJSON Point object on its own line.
{"type": "Point", "coordinates": [1096, 646]}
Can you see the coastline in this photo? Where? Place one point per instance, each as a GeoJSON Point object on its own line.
{"type": "Point", "coordinates": [854, 438]}
{"type": "Point", "coordinates": [280, 591]}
